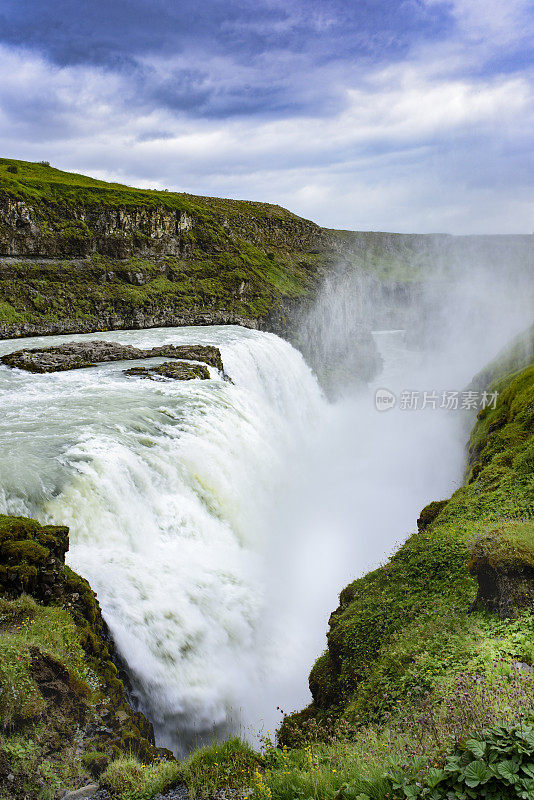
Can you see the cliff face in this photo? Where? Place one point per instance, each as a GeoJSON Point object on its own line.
{"type": "Point", "coordinates": [39, 230]}
{"type": "Point", "coordinates": [83, 255]}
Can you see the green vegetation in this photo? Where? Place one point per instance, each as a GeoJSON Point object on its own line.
{"type": "Point", "coordinates": [25, 625]}
{"type": "Point", "coordinates": [42, 183]}
{"type": "Point", "coordinates": [60, 694]}
{"type": "Point", "coordinates": [496, 766]}
{"type": "Point", "coordinates": [127, 778]}
{"type": "Point", "coordinates": [230, 765]}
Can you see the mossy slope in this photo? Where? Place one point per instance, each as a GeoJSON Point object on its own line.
{"type": "Point", "coordinates": [63, 708]}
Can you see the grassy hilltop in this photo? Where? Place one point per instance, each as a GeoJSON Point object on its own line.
{"type": "Point", "coordinates": [106, 255]}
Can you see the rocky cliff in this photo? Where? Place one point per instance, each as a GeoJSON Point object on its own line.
{"type": "Point", "coordinates": [64, 713]}
{"type": "Point", "coordinates": [84, 255]}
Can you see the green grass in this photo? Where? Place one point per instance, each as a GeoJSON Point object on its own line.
{"type": "Point", "coordinates": [36, 182]}
{"type": "Point", "coordinates": [230, 765]}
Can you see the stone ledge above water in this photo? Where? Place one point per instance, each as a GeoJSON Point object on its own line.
{"type": "Point", "coordinates": [78, 355]}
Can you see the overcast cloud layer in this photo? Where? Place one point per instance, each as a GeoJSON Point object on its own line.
{"type": "Point", "coordinates": [406, 115]}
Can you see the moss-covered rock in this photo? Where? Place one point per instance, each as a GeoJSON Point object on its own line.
{"type": "Point", "coordinates": [502, 561]}
{"type": "Point", "coordinates": [176, 370]}
{"type": "Point", "coordinates": [429, 513]}
{"type": "Point", "coordinates": [31, 557]}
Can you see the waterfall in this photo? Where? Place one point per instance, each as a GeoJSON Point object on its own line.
{"type": "Point", "coordinates": [167, 488]}
{"type": "Point", "coordinates": [217, 520]}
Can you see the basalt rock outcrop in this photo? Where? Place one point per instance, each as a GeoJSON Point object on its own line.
{"type": "Point", "coordinates": [79, 355]}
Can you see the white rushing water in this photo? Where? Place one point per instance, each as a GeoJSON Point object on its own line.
{"type": "Point", "coordinates": [166, 487]}
{"type": "Point", "coordinates": [218, 521]}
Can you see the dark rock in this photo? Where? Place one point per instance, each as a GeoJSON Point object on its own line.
{"type": "Point", "coordinates": [77, 355]}
{"type": "Point", "coordinates": [177, 370]}
{"type": "Point", "coordinates": [505, 575]}
{"type": "Point", "coordinates": [429, 513]}
{"type": "Point", "coordinates": [503, 590]}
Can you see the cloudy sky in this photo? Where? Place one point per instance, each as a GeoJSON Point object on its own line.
{"type": "Point", "coordinates": [404, 115]}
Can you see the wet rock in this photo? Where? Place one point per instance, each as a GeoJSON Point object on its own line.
{"type": "Point", "coordinates": [504, 591]}
{"type": "Point", "coordinates": [77, 355]}
{"type": "Point", "coordinates": [177, 370]}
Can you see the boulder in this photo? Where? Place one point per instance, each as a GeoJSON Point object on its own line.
{"type": "Point", "coordinates": [502, 561]}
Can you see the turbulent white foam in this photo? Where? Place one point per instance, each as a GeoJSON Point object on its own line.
{"type": "Point", "coordinates": [166, 487]}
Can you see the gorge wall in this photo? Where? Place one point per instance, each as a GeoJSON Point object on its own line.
{"type": "Point", "coordinates": [82, 255]}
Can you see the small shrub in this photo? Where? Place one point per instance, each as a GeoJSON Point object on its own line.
{"type": "Point", "coordinates": [44, 163]}
{"type": "Point", "coordinates": [12, 169]}
{"type": "Point", "coordinates": [127, 779]}
{"type": "Point", "coordinates": [121, 776]}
